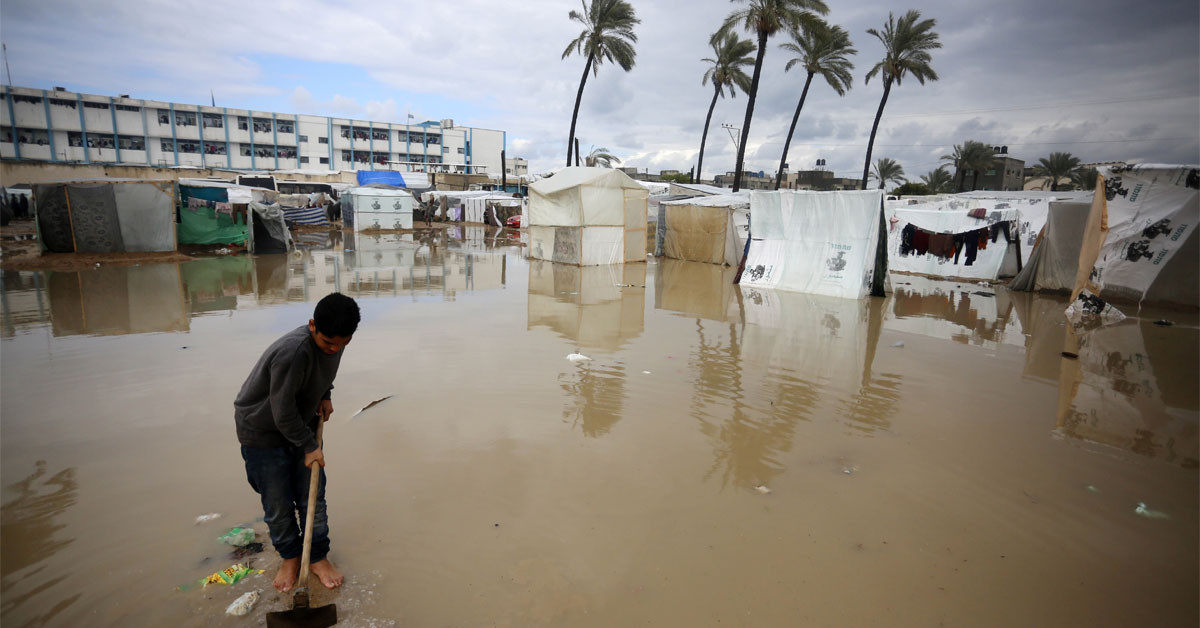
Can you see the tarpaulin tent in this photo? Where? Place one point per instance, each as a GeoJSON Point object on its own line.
{"type": "Point", "coordinates": [816, 242]}
{"type": "Point", "coordinates": [1140, 240]}
{"type": "Point", "coordinates": [270, 231]}
{"type": "Point", "coordinates": [587, 217]}
{"type": "Point", "coordinates": [106, 216]}
{"type": "Point", "coordinates": [972, 244]}
{"type": "Point", "coordinates": [218, 212]}
{"type": "Point", "coordinates": [377, 207]}
{"type": "Point", "coordinates": [1055, 259]}
{"type": "Point", "coordinates": [709, 229]}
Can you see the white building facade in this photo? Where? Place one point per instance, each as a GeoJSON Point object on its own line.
{"type": "Point", "coordinates": [69, 127]}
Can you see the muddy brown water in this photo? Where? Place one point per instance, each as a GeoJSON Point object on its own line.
{"type": "Point", "coordinates": [971, 476]}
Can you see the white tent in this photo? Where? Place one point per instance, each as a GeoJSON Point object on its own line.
{"type": "Point", "coordinates": [710, 229]}
{"type": "Point", "coordinates": [697, 189]}
{"type": "Point", "coordinates": [1055, 259]}
{"type": "Point", "coordinates": [588, 217]}
{"type": "Point", "coordinates": [816, 242]}
{"type": "Point", "coordinates": [377, 208]}
{"type": "Point", "coordinates": [1140, 241]}
{"type": "Point", "coordinates": [971, 244]}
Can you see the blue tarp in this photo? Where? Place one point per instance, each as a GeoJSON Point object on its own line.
{"type": "Point", "coordinates": [366, 177]}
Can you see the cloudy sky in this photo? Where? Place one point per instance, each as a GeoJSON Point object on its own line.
{"type": "Point", "coordinates": [1104, 79]}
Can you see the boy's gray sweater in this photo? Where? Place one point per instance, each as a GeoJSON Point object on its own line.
{"type": "Point", "coordinates": [277, 404]}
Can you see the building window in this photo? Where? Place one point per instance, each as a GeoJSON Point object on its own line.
{"type": "Point", "coordinates": [213, 121]}
{"type": "Point", "coordinates": [460, 151]}
{"type": "Point", "coordinates": [164, 116]}
{"type": "Point", "coordinates": [379, 135]}
{"type": "Point", "coordinates": [185, 118]}
{"type": "Point", "coordinates": [95, 105]}
{"type": "Point", "coordinates": [32, 136]}
{"type": "Point", "coordinates": [360, 133]}
{"type": "Point", "coordinates": [322, 140]}
{"type": "Point", "coordinates": [991, 173]}
{"type": "Point", "coordinates": [303, 138]}
{"type": "Point", "coordinates": [129, 108]}
{"type": "Point", "coordinates": [214, 148]}
{"type": "Point", "coordinates": [264, 151]}
{"type": "Point", "coordinates": [26, 99]}
{"type": "Point", "coordinates": [283, 126]}
{"type": "Point", "coordinates": [167, 146]}
{"type": "Point", "coordinates": [262, 125]}
{"type": "Point", "coordinates": [345, 155]}
{"type": "Point", "coordinates": [245, 150]}
{"type": "Point", "coordinates": [189, 147]}
{"type": "Point", "coordinates": [304, 160]}
{"type": "Point", "coordinates": [287, 153]}
{"type": "Point", "coordinates": [62, 102]}
{"type": "Point", "coordinates": [345, 131]}
{"type": "Point", "coordinates": [325, 160]}
{"type": "Point", "coordinates": [434, 139]}
{"type": "Point", "coordinates": [243, 125]}
{"type": "Point", "coordinates": [131, 143]}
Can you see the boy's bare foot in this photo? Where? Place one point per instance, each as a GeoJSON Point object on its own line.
{"type": "Point", "coordinates": [329, 575]}
{"type": "Point", "coordinates": [288, 573]}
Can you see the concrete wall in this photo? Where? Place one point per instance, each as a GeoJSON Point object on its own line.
{"type": "Point", "coordinates": [22, 172]}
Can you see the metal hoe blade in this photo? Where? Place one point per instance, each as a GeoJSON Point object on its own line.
{"type": "Point", "coordinates": [319, 617]}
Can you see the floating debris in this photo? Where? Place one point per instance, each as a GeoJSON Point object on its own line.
{"type": "Point", "coordinates": [1070, 355]}
{"type": "Point", "coordinates": [1164, 322]}
{"type": "Point", "coordinates": [645, 372]}
{"type": "Point", "coordinates": [1143, 511]}
{"type": "Point", "coordinates": [212, 516]}
{"type": "Point", "coordinates": [762, 489]}
{"type": "Point", "coordinates": [243, 604]}
{"type": "Point", "coordinates": [1092, 489]}
{"type": "Point", "coordinates": [237, 537]}
{"type": "Point", "coordinates": [899, 345]}
{"type": "Point", "coordinates": [371, 405]}
{"type": "Point", "coordinates": [577, 357]}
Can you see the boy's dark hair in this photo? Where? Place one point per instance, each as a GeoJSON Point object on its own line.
{"type": "Point", "coordinates": [336, 315]}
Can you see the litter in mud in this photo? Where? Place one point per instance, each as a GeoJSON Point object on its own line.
{"type": "Point", "coordinates": [212, 516]}
{"type": "Point", "coordinates": [371, 405]}
{"type": "Point", "coordinates": [763, 490]}
{"type": "Point", "coordinates": [243, 604]}
{"type": "Point", "coordinates": [237, 537]}
{"type": "Point", "coordinates": [248, 549]}
{"type": "Point", "coordinates": [898, 345]}
{"type": "Point", "coordinates": [1143, 511]}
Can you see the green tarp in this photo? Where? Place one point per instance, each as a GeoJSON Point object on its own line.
{"type": "Point", "coordinates": [204, 225]}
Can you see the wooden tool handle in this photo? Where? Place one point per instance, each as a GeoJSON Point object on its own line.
{"type": "Point", "coordinates": [312, 508]}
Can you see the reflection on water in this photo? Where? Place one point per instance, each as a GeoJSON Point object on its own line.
{"type": "Point", "coordinates": [110, 300]}
{"type": "Point", "coordinates": [29, 536]}
{"type": "Point", "coordinates": [965, 313]}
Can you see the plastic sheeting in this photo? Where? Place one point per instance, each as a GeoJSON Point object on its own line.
{"type": "Point", "coordinates": [1055, 259]}
{"type": "Point", "coordinates": [588, 216]}
{"type": "Point", "coordinates": [411, 180]}
{"type": "Point", "coordinates": [147, 216]}
{"type": "Point", "coordinates": [816, 242]}
{"type": "Point", "coordinates": [1146, 216]}
{"type": "Point", "coordinates": [54, 221]}
{"type": "Point", "coordinates": [270, 220]}
{"type": "Point", "coordinates": [710, 229]}
{"type": "Point", "coordinates": [310, 216]}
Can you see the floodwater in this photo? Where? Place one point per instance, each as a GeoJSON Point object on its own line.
{"type": "Point", "coordinates": [925, 459]}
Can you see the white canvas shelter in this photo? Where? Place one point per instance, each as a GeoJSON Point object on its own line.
{"type": "Point", "coordinates": [1055, 259]}
{"type": "Point", "coordinates": [697, 189]}
{"type": "Point", "coordinates": [816, 242]}
{"type": "Point", "coordinates": [1140, 240]}
{"type": "Point", "coordinates": [656, 188]}
{"type": "Point", "coordinates": [588, 217]}
{"type": "Point", "coordinates": [377, 208]}
{"type": "Point", "coordinates": [709, 229]}
{"type": "Point", "coordinates": [998, 259]}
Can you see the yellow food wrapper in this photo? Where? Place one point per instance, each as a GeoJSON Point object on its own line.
{"type": "Point", "coordinates": [229, 575]}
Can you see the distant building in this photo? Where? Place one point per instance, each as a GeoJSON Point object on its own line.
{"type": "Point", "coordinates": [750, 180]}
{"type": "Point", "coordinates": [516, 166]}
{"type": "Point", "coordinates": [823, 180]}
{"type": "Point", "coordinates": [1006, 173]}
{"type": "Point", "coordinates": [668, 173]}
{"type": "Point", "coordinates": [67, 127]}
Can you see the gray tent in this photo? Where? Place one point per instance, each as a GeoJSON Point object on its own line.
{"type": "Point", "coordinates": [1055, 259]}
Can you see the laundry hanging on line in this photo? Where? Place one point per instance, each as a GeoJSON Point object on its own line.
{"type": "Point", "coordinates": [917, 241]}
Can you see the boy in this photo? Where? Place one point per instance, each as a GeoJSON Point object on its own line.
{"type": "Point", "coordinates": [276, 414]}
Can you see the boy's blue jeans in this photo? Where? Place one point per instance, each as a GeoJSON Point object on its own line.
{"type": "Point", "coordinates": [280, 477]}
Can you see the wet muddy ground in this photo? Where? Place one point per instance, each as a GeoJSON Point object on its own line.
{"type": "Point", "coordinates": [727, 457]}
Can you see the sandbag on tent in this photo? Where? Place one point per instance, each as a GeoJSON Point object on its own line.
{"type": "Point", "coordinates": [709, 229]}
{"type": "Point", "coordinates": [588, 217]}
{"type": "Point", "coordinates": [1140, 241]}
{"type": "Point", "coordinates": [970, 244]}
{"type": "Point", "coordinates": [1055, 259]}
{"type": "Point", "coordinates": [107, 216]}
{"type": "Point", "coordinates": [816, 242]}
{"type": "Point", "coordinates": [377, 207]}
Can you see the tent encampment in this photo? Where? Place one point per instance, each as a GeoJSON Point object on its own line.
{"type": "Point", "coordinates": [1054, 262]}
{"type": "Point", "coordinates": [816, 242]}
{"type": "Point", "coordinates": [219, 212]}
{"type": "Point", "coordinates": [588, 216]}
{"type": "Point", "coordinates": [710, 229]}
{"type": "Point", "coordinates": [106, 216]}
{"type": "Point", "coordinates": [377, 207]}
{"type": "Point", "coordinates": [1140, 242]}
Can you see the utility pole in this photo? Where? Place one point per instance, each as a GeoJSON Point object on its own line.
{"type": "Point", "coordinates": [735, 133]}
{"type": "Point", "coordinates": [6, 70]}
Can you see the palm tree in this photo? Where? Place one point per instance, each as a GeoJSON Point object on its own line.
{"type": "Point", "coordinates": [906, 44]}
{"type": "Point", "coordinates": [1084, 178]}
{"type": "Point", "coordinates": [888, 170]}
{"type": "Point", "coordinates": [1057, 166]}
{"type": "Point", "coordinates": [938, 181]}
{"type": "Point", "coordinates": [821, 49]}
{"type": "Point", "coordinates": [600, 158]}
{"type": "Point", "coordinates": [970, 156]}
{"type": "Point", "coordinates": [607, 35]}
{"type": "Point", "coordinates": [764, 18]}
{"type": "Point", "coordinates": [731, 54]}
